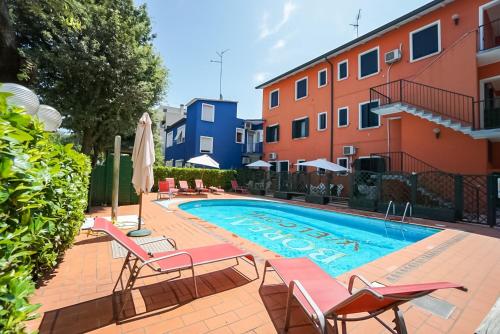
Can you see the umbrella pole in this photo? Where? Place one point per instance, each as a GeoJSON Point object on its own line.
{"type": "Point", "coordinates": [140, 212]}
{"type": "Point", "coordinates": [140, 232]}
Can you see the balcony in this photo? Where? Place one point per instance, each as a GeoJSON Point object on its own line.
{"type": "Point", "coordinates": [450, 109]}
{"type": "Point", "coordinates": [488, 43]}
{"type": "Point", "coordinates": [253, 148]}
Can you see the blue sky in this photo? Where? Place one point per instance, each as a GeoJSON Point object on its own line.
{"type": "Point", "coordinates": [265, 38]}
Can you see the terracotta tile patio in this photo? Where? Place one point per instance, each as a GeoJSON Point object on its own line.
{"type": "Point", "coordinates": [77, 297]}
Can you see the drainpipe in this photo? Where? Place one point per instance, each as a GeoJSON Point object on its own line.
{"type": "Point", "coordinates": [331, 107]}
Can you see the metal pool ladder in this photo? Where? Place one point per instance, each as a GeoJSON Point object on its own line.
{"type": "Point", "coordinates": [386, 219]}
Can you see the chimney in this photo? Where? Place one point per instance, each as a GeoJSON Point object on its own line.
{"type": "Point", "coordinates": [183, 111]}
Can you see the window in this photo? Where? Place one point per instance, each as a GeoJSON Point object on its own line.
{"type": "Point", "coordinates": [425, 42]}
{"type": "Point", "coordinates": [344, 162]}
{"type": "Point", "coordinates": [322, 80]}
{"type": "Point", "coordinates": [301, 88]}
{"type": "Point", "coordinates": [368, 63]}
{"type": "Point", "coordinates": [343, 117]}
{"type": "Point", "coordinates": [240, 136]}
{"type": "Point", "coordinates": [169, 163]}
{"type": "Point", "coordinates": [272, 133]}
{"type": "Point", "coordinates": [259, 136]}
{"type": "Point", "coordinates": [181, 134]}
{"type": "Point", "coordinates": [322, 121]}
{"type": "Point", "coordinates": [367, 118]}
{"type": "Point", "coordinates": [300, 168]}
{"type": "Point", "coordinates": [179, 163]}
{"type": "Point", "coordinates": [170, 139]}
{"type": "Point", "coordinates": [274, 99]}
{"type": "Point", "coordinates": [300, 128]}
{"type": "Point", "coordinates": [343, 70]}
{"type": "Point", "coordinates": [206, 144]}
{"type": "Point", "coordinates": [207, 112]}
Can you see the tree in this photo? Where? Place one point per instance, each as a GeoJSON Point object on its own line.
{"type": "Point", "coordinates": [94, 61]}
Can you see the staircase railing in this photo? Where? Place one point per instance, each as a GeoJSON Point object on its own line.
{"type": "Point", "coordinates": [440, 102]}
{"type": "Point", "coordinates": [404, 162]}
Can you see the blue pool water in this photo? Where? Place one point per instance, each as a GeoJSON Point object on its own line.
{"type": "Point", "coordinates": [336, 242]}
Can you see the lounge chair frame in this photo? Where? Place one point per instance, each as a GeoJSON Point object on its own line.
{"type": "Point", "coordinates": [134, 263]}
{"type": "Point", "coordinates": [319, 319]}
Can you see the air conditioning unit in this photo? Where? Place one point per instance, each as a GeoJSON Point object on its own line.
{"type": "Point", "coordinates": [392, 56]}
{"type": "Point", "coordinates": [349, 150]}
{"type": "Point", "coordinates": [248, 126]}
{"type": "Point", "coordinates": [273, 156]}
{"type": "Point", "coordinates": [245, 160]}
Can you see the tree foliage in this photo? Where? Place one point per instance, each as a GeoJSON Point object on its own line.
{"type": "Point", "coordinates": [93, 60]}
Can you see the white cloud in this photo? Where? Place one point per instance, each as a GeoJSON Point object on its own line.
{"type": "Point", "coordinates": [280, 43]}
{"type": "Point", "coordinates": [259, 77]}
{"type": "Point", "coordinates": [266, 29]}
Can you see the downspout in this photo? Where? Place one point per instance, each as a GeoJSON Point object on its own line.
{"type": "Point", "coordinates": [331, 107]}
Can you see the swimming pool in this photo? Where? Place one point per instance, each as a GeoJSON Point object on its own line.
{"type": "Point", "coordinates": [337, 242]}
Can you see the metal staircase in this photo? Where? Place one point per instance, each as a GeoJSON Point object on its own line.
{"type": "Point", "coordinates": [453, 110]}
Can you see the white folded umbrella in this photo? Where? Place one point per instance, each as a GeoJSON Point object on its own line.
{"type": "Point", "coordinates": [204, 160]}
{"type": "Point", "coordinates": [259, 163]}
{"type": "Point", "coordinates": [323, 164]}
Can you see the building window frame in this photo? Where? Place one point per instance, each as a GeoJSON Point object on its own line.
{"type": "Point", "coordinates": [319, 121]}
{"type": "Point", "coordinates": [306, 78]}
{"type": "Point", "coordinates": [360, 114]}
{"type": "Point", "coordinates": [325, 70]}
{"type": "Point", "coordinates": [439, 46]}
{"type": "Point", "coordinates": [347, 117]}
{"type": "Point", "coordinates": [277, 90]}
{"type": "Point", "coordinates": [212, 119]}
{"type": "Point", "coordinates": [212, 145]}
{"type": "Point", "coordinates": [242, 132]}
{"type": "Point", "coordinates": [302, 169]}
{"type": "Point", "coordinates": [277, 136]}
{"type": "Point", "coordinates": [346, 62]}
{"type": "Point", "coordinates": [306, 127]}
{"type": "Point", "coordinates": [377, 48]}
{"type": "Point", "coordinates": [182, 139]}
{"type": "Point", "coordinates": [169, 139]}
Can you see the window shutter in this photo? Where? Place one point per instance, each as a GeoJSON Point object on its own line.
{"type": "Point", "coordinates": [364, 116]}
{"type": "Point", "coordinates": [294, 129]}
{"type": "Point", "coordinates": [277, 132]}
{"type": "Point", "coordinates": [268, 134]}
{"type": "Point", "coordinates": [307, 127]}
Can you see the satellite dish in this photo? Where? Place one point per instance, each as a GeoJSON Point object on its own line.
{"type": "Point", "coordinates": [50, 117]}
{"type": "Point", "coordinates": [22, 97]}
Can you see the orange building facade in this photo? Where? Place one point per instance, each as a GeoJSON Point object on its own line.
{"type": "Point", "coordinates": [426, 85]}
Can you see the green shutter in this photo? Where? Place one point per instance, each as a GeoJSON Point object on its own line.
{"type": "Point", "coordinates": [277, 133]}
{"type": "Point", "coordinates": [294, 129]}
{"type": "Point", "coordinates": [268, 137]}
{"type": "Point", "coordinates": [307, 127]}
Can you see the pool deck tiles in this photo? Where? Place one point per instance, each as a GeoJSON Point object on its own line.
{"type": "Point", "coordinates": [76, 297]}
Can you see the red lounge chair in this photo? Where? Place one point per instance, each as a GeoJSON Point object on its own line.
{"type": "Point", "coordinates": [216, 189]}
{"type": "Point", "coordinates": [163, 188]}
{"type": "Point", "coordinates": [184, 188]}
{"type": "Point", "coordinates": [323, 297]}
{"type": "Point", "coordinates": [166, 262]}
{"type": "Point", "coordinates": [171, 185]}
{"type": "Point", "coordinates": [199, 186]}
{"type": "Point", "coordinates": [237, 188]}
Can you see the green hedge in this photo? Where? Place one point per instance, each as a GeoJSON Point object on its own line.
{"type": "Point", "coordinates": [211, 177]}
{"type": "Point", "coordinates": [43, 195]}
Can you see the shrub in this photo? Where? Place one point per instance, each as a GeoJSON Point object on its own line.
{"type": "Point", "coordinates": [43, 195]}
{"type": "Point", "coordinates": [210, 177]}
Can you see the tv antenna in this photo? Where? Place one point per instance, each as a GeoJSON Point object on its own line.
{"type": "Point", "coordinates": [220, 54]}
{"type": "Point", "coordinates": [356, 25]}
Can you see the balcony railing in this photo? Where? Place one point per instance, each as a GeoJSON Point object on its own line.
{"type": "Point", "coordinates": [447, 104]}
{"type": "Point", "coordinates": [253, 148]}
{"type": "Point", "coordinates": [490, 109]}
{"type": "Point", "coordinates": [489, 35]}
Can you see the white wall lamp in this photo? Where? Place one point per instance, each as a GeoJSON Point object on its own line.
{"type": "Point", "coordinates": [437, 132]}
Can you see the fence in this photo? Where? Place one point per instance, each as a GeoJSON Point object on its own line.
{"type": "Point", "coordinates": [313, 183]}
{"type": "Point", "coordinates": [432, 194]}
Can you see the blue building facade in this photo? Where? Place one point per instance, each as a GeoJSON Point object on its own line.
{"type": "Point", "coordinates": [212, 127]}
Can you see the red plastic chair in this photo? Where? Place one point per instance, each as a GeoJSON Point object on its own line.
{"type": "Point", "coordinates": [163, 188]}
{"type": "Point", "coordinates": [323, 297]}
